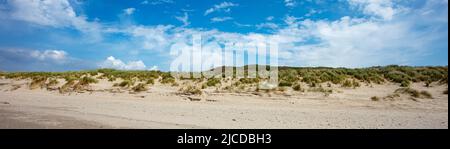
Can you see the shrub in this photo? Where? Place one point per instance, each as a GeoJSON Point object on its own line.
{"type": "Point", "coordinates": [213, 81]}
{"type": "Point", "coordinates": [375, 98]}
{"type": "Point", "coordinates": [322, 90]}
{"type": "Point", "coordinates": [87, 80]}
{"type": "Point", "coordinates": [204, 86]}
{"type": "Point", "coordinates": [38, 82]}
{"type": "Point", "coordinates": [347, 83]}
{"type": "Point", "coordinates": [52, 82]}
{"type": "Point", "coordinates": [111, 79]}
{"type": "Point", "coordinates": [355, 84]}
{"type": "Point", "coordinates": [125, 83]}
{"type": "Point", "coordinates": [414, 93]}
{"type": "Point", "coordinates": [409, 91]}
{"type": "Point", "coordinates": [426, 94]}
{"type": "Point", "coordinates": [281, 89]}
{"type": "Point", "coordinates": [249, 80]}
{"type": "Point", "coordinates": [168, 80]}
{"type": "Point", "coordinates": [150, 81]}
{"type": "Point", "coordinates": [398, 77]}
{"type": "Point", "coordinates": [284, 83]}
{"type": "Point", "coordinates": [191, 90]}
{"type": "Point", "coordinates": [140, 87]}
{"type": "Point", "coordinates": [405, 83]}
{"type": "Point", "coordinates": [70, 78]}
{"type": "Point", "coordinates": [392, 96]}
{"type": "Point", "coordinates": [428, 83]}
{"type": "Point", "coordinates": [297, 87]}
{"type": "Point", "coordinates": [83, 83]}
{"type": "Point", "coordinates": [67, 87]}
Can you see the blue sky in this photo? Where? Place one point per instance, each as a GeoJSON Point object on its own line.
{"type": "Point", "coordinates": [60, 35]}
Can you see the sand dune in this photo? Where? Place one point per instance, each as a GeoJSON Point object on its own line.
{"type": "Point", "coordinates": [162, 107]}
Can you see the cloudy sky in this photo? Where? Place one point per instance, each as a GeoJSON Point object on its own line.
{"type": "Point", "coordinates": [59, 35]}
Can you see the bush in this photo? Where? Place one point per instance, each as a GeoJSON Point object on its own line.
{"type": "Point", "coordinates": [191, 90]}
{"type": "Point", "coordinates": [67, 87]}
{"type": "Point", "coordinates": [322, 90]}
{"type": "Point", "coordinates": [426, 94]}
{"type": "Point", "coordinates": [87, 80]}
{"type": "Point", "coordinates": [125, 83]}
{"type": "Point", "coordinates": [347, 83]}
{"type": "Point", "coordinates": [375, 98]}
{"type": "Point", "coordinates": [38, 82]}
{"type": "Point", "coordinates": [70, 78]}
{"type": "Point", "coordinates": [405, 83]}
{"type": "Point", "coordinates": [111, 79]}
{"type": "Point", "coordinates": [409, 91]}
{"type": "Point", "coordinates": [414, 93]}
{"type": "Point", "coordinates": [355, 84]}
{"type": "Point", "coordinates": [297, 87]}
{"type": "Point", "coordinates": [213, 81]}
{"type": "Point", "coordinates": [284, 83]}
{"type": "Point", "coordinates": [249, 80]}
{"type": "Point", "coordinates": [150, 81]}
{"type": "Point", "coordinates": [168, 80]}
{"type": "Point", "coordinates": [392, 96]}
{"type": "Point", "coordinates": [140, 87]}
{"type": "Point", "coordinates": [398, 77]}
{"type": "Point", "coordinates": [204, 86]}
{"type": "Point", "coordinates": [428, 83]}
{"type": "Point", "coordinates": [52, 82]}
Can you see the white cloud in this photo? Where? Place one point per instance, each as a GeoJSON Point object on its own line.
{"type": "Point", "coordinates": [224, 6]}
{"type": "Point", "coordinates": [289, 3]}
{"type": "Point", "coordinates": [379, 8]}
{"type": "Point", "coordinates": [54, 13]}
{"type": "Point", "coordinates": [346, 42]}
{"type": "Point", "coordinates": [57, 55]}
{"type": "Point", "coordinates": [46, 12]}
{"type": "Point", "coordinates": [129, 11]}
{"type": "Point", "coordinates": [112, 62]}
{"type": "Point", "coordinates": [152, 38]}
{"type": "Point", "coordinates": [242, 25]}
{"type": "Point", "coordinates": [269, 18]}
{"type": "Point", "coordinates": [312, 12]}
{"type": "Point", "coordinates": [157, 2]}
{"type": "Point", "coordinates": [184, 19]}
{"type": "Point", "coordinates": [267, 25]}
{"type": "Point", "coordinates": [220, 19]}
{"type": "Point", "coordinates": [154, 68]}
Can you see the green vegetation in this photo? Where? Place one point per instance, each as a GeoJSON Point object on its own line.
{"type": "Point", "coordinates": [125, 83]}
{"type": "Point", "coordinates": [38, 82]}
{"type": "Point", "coordinates": [52, 82]}
{"type": "Point", "coordinates": [213, 81]}
{"type": "Point", "coordinates": [297, 87]}
{"type": "Point", "coordinates": [326, 92]}
{"type": "Point", "coordinates": [140, 87]}
{"type": "Point", "coordinates": [414, 93]}
{"type": "Point", "coordinates": [375, 98]}
{"type": "Point", "coordinates": [314, 77]}
{"type": "Point", "coordinates": [167, 79]}
{"type": "Point", "coordinates": [249, 80]}
{"type": "Point", "coordinates": [190, 90]}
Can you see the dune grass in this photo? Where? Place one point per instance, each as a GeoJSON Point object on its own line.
{"type": "Point", "coordinates": [140, 87]}
{"type": "Point", "coordinates": [414, 93]}
{"type": "Point", "coordinates": [313, 77]}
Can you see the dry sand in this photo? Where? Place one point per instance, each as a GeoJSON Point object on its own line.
{"type": "Point", "coordinates": [161, 107]}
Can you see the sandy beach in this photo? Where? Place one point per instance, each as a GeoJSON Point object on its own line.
{"type": "Point", "coordinates": [162, 107]}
